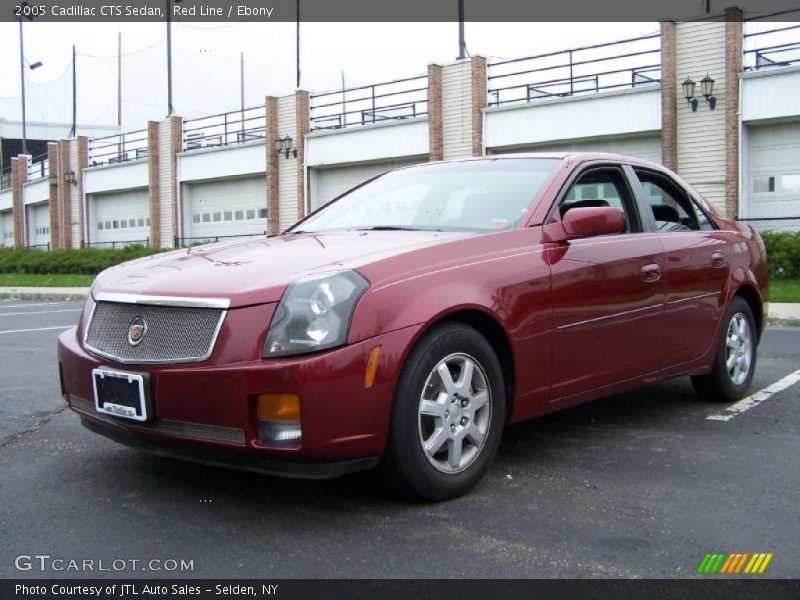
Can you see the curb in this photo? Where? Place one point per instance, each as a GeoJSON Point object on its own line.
{"type": "Point", "coordinates": [21, 293]}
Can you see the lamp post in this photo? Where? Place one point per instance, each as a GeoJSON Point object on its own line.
{"type": "Point", "coordinates": [170, 110]}
{"type": "Point", "coordinates": [32, 67]}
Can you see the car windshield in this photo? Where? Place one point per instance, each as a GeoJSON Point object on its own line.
{"type": "Point", "coordinates": [462, 196]}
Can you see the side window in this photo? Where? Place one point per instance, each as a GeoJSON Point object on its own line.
{"type": "Point", "coordinates": [673, 209]}
{"type": "Point", "coordinates": [602, 187]}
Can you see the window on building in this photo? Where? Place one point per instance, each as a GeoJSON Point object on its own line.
{"type": "Point", "coordinates": [251, 214]}
{"type": "Point", "coordinates": [262, 213]}
{"type": "Point", "coordinates": [100, 226]}
{"type": "Point", "coordinates": [239, 215]}
{"type": "Point", "coordinates": [206, 217]}
{"type": "Point", "coordinates": [196, 218]}
{"type": "Point", "coordinates": [227, 216]}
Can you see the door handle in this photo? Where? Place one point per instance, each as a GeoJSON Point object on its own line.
{"type": "Point", "coordinates": [651, 273]}
{"type": "Point", "coordinates": [717, 260]}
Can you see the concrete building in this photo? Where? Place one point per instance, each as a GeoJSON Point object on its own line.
{"type": "Point", "coordinates": [178, 182]}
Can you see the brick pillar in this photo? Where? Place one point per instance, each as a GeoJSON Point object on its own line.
{"type": "Point", "coordinates": [669, 95]}
{"type": "Point", "coordinates": [435, 142]}
{"type": "Point", "coordinates": [153, 163]}
{"type": "Point", "coordinates": [175, 126]}
{"type": "Point", "coordinates": [54, 203]}
{"type": "Point", "coordinates": [271, 108]}
{"type": "Point", "coordinates": [82, 155]}
{"type": "Point", "coordinates": [479, 100]}
{"type": "Point", "coordinates": [302, 127]}
{"type": "Point", "coordinates": [733, 67]}
{"type": "Point", "coordinates": [19, 175]}
{"type": "Point", "coordinates": [64, 207]}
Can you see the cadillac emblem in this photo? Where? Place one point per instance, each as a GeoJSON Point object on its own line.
{"type": "Point", "coordinates": [136, 330]}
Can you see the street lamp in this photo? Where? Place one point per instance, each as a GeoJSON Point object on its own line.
{"type": "Point", "coordinates": [170, 110]}
{"type": "Point", "coordinates": [32, 67]}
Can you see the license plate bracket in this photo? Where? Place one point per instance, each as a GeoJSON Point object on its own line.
{"type": "Point", "coordinates": [121, 394]}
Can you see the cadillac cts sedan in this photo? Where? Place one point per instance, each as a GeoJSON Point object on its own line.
{"type": "Point", "coordinates": [406, 323]}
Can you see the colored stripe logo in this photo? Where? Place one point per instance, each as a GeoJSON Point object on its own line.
{"type": "Point", "coordinates": [735, 563]}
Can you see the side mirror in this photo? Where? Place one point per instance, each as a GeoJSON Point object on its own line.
{"type": "Point", "coordinates": [592, 221]}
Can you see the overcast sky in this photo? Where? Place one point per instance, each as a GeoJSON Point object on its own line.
{"type": "Point", "coordinates": [207, 55]}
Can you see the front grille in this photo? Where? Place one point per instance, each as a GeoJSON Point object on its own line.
{"type": "Point", "coordinates": [173, 334]}
{"type": "Point", "coordinates": [198, 431]}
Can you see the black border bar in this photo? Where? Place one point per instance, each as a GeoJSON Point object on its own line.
{"type": "Point", "coordinates": [337, 11]}
{"type": "Point", "coordinates": [507, 589]}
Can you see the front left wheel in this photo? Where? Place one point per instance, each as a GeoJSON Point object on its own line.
{"type": "Point", "coordinates": [448, 414]}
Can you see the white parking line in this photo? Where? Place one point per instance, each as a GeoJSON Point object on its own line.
{"type": "Point", "coordinates": [37, 304]}
{"type": "Point", "coordinates": [757, 398]}
{"type": "Point", "coordinates": [37, 329]}
{"type": "Point", "coordinates": [40, 312]}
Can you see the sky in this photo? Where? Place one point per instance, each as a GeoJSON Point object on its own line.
{"type": "Point", "coordinates": [206, 56]}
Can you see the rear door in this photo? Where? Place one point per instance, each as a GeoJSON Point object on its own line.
{"type": "Point", "coordinates": [607, 293]}
{"type": "Point", "coordinates": [696, 266]}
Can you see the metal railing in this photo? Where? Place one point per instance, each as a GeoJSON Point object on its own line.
{"type": "Point", "coordinates": [42, 247]}
{"type": "Point", "coordinates": [628, 63]}
{"type": "Point", "coordinates": [5, 178]}
{"type": "Point", "coordinates": [234, 127]}
{"type": "Point", "coordinates": [186, 242]}
{"type": "Point", "coordinates": [118, 244]}
{"type": "Point", "coordinates": [118, 148]}
{"type": "Point", "coordinates": [790, 224]}
{"type": "Point", "coordinates": [776, 45]}
{"type": "Point", "coordinates": [38, 167]}
{"type": "Point", "coordinates": [366, 104]}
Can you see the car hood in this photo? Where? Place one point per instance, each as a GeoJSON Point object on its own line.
{"type": "Point", "coordinates": [256, 271]}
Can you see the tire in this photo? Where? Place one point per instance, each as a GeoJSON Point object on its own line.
{"type": "Point", "coordinates": [736, 346]}
{"type": "Point", "coordinates": [444, 433]}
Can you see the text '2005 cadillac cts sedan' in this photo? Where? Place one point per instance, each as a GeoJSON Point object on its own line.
{"type": "Point", "coordinates": [407, 322]}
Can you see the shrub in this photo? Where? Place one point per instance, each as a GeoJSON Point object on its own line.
{"type": "Point", "coordinates": [783, 254]}
{"type": "Point", "coordinates": [84, 261]}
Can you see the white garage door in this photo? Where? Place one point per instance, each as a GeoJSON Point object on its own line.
{"type": "Point", "coordinates": [120, 217]}
{"type": "Point", "coordinates": [39, 224]}
{"type": "Point", "coordinates": [225, 208]}
{"type": "Point", "coordinates": [328, 183]}
{"type": "Point", "coordinates": [646, 148]}
{"type": "Point", "coordinates": [773, 178]}
{"type": "Point", "coordinates": [7, 228]}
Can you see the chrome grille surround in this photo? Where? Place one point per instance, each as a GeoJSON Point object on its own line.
{"type": "Point", "coordinates": [198, 431]}
{"type": "Point", "coordinates": [179, 330]}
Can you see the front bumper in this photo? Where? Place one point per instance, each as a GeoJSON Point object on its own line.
{"type": "Point", "coordinates": [206, 412]}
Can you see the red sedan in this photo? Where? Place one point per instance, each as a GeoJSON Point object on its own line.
{"type": "Point", "coordinates": [407, 322]}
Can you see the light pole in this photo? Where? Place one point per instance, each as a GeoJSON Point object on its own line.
{"type": "Point", "coordinates": [35, 65]}
{"type": "Point", "coordinates": [170, 110]}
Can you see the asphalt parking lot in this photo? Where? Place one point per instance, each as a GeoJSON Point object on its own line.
{"type": "Point", "coordinates": [636, 485]}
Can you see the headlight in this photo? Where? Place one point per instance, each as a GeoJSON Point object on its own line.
{"type": "Point", "coordinates": [314, 314]}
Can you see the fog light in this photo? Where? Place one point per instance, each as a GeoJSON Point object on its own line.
{"type": "Point", "coordinates": [279, 419]}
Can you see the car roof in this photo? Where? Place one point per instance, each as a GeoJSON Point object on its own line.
{"type": "Point", "coordinates": [577, 157]}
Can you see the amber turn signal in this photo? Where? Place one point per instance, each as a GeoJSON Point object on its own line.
{"type": "Point", "coordinates": [372, 366]}
{"type": "Point", "coordinates": [278, 407]}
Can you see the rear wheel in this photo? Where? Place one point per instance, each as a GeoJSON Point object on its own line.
{"type": "Point", "coordinates": [448, 414]}
{"type": "Point", "coordinates": [735, 360]}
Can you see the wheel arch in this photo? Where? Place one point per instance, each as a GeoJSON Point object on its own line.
{"type": "Point", "coordinates": [749, 294]}
{"type": "Point", "coordinates": [490, 328]}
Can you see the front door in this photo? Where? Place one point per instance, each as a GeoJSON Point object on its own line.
{"type": "Point", "coordinates": [607, 294]}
